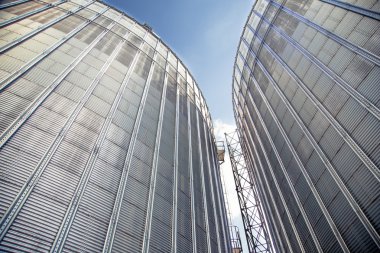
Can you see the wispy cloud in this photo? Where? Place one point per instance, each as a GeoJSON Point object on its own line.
{"type": "Point", "coordinates": [221, 127]}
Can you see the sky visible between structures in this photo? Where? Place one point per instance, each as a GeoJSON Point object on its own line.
{"type": "Point", "coordinates": [204, 34]}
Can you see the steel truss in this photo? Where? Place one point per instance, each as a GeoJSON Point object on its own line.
{"type": "Point", "coordinates": [253, 220]}
{"type": "Point", "coordinates": [235, 239]}
{"type": "Point", "coordinates": [234, 230]}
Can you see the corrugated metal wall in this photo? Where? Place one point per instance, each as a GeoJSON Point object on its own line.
{"type": "Point", "coordinates": [100, 126]}
{"type": "Point", "coordinates": [306, 99]}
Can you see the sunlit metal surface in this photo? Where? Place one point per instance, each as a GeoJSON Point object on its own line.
{"type": "Point", "coordinates": [106, 142]}
{"type": "Point", "coordinates": [307, 107]}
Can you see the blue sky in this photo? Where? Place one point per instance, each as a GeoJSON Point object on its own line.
{"type": "Point", "coordinates": [205, 35]}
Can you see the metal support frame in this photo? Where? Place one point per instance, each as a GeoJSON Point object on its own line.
{"type": "Point", "coordinates": [222, 200]}
{"type": "Point", "coordinates": [234, 230]}
{"type": "Point", "coordinates": [253, 220]}
{"type": "Point", "coordinates": [235, 239]}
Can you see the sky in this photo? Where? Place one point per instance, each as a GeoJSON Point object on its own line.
{"type": "Point", "coordinates": [204, 34]}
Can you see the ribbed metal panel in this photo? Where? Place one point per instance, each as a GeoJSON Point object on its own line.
{"type": "Point", "coordinates": [161, 224]}
{"type": "Point", "coordinates": [199, 213]}
{"type": "Point", "coordinates": [311, 70]}
{"type": "Point", "coordinates": [100, 125]}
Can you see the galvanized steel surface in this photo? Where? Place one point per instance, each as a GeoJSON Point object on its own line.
{"type": "Point", "coordinates": [100, 125]}
{"type": "Point", "coordinates": [306, 102]}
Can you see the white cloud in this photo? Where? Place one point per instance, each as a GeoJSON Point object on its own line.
{"type": "Point", "coordinates": [221, 127]}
